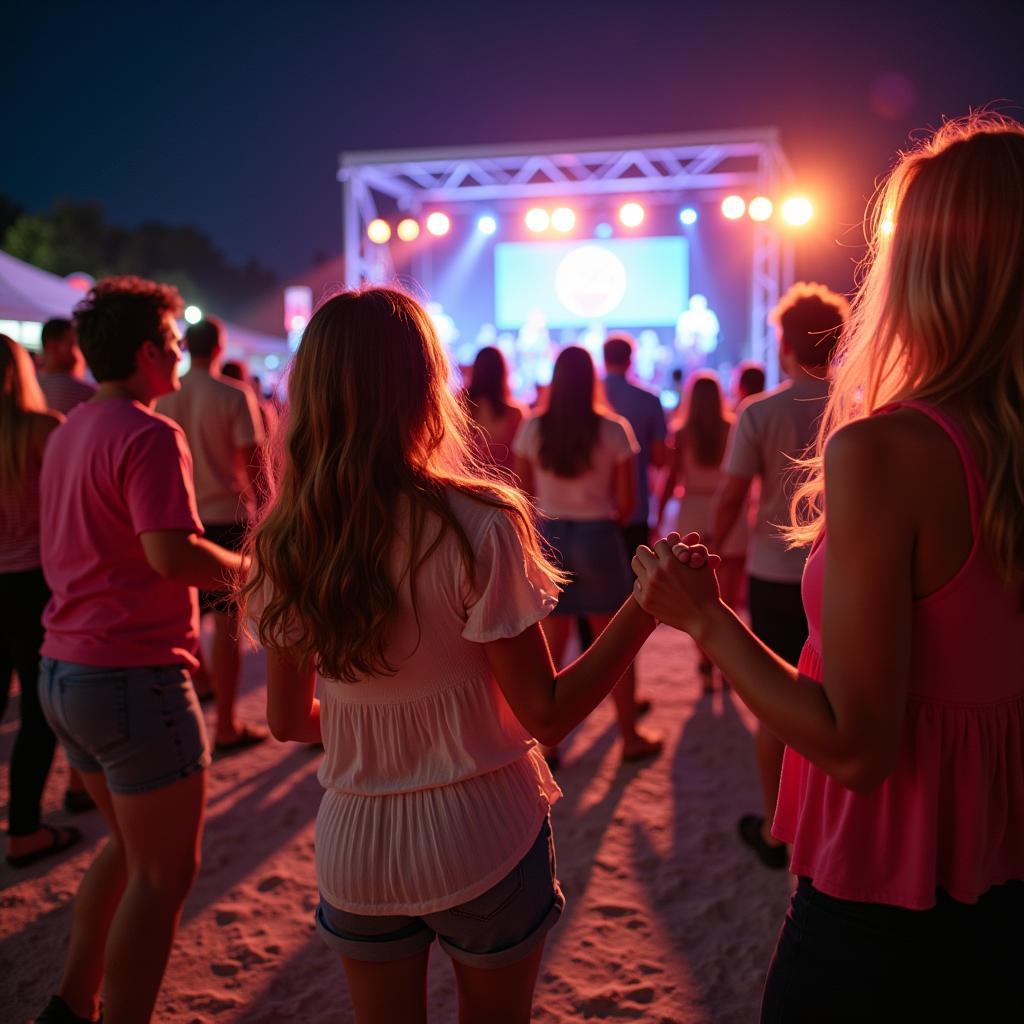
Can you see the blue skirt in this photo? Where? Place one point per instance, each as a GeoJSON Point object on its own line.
{"type": "Point", "coordinates": [594, 554]}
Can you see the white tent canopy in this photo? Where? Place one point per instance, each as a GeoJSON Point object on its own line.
{"type": "Point", "coordinates": [28, 293]}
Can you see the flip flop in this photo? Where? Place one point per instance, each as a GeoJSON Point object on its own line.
{"type": "Point", "coordinates": [58, 1012]}
{"type": "Point", "coordinates": [775, 857]}
{"type": "Point", "coordinates": [248, 736]}
{"type": "Point", "coordinates": [62, 838]}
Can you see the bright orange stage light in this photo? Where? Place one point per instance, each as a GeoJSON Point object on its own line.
{"type": "Point", "coordinates": [408, 229]}
{"type": "Point", "coordinates": [537, 219]}
{"type": "Point", "coordinates": [797, 211]}
{"type": "Point", "coordinates": [378, 231]}
{"type": "Point", "coordinates": [563, 219]}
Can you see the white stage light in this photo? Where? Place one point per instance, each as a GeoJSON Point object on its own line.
{"type": "Point", "coordinates": [486, 224]}
{"type": "Point", "coordinates": [537, 219]}
{"type": "Point", "coordinates": [797, 210]}
{"type": "Point", "coordinates": [760, 208]}
{"type": "Point", "coordinates": [563, 219]}
{"type": "Point", "coordinates": [733, 207]}
{"type": "Point", "coordinates": [438, 223]}
{"type": "Point", "coordinates": [193, 314]}
{"type": "Point", "coordinates": [631, 215]}
{"type": "Point", "coordinates": [688, 216]}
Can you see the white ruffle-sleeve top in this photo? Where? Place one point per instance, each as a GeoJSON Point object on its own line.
{"type": "Point", "coordinates": [433, 789]}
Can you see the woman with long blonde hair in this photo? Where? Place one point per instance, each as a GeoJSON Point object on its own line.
{"type": "Point", "coordinates": [411, 580]}
{"type": "Point", "coordinates": [902, 790]}
{"type": "Point", "coordinates": [25, 427]}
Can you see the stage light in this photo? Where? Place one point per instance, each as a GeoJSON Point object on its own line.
{"type": "Point", "coordinates": [760, 208]}
{"type": "Point", "coordinates": [733, 207]}
{"type": "Point", "coordinates": [631, 214]}
{"type": "Point", "coordinates": [563, 219]}
{"type": "Point", "coordinates": [438, 223]}
{"type": "Point", "coordinates": [537, 219]}
{"type": "Point", "coordinates": [378, 231]}
{"type": "Point", "coordinates": [797, 210]}
{"type": "Point", "coordinates": [408, 229]}
{"type": "Point", "coordinates": [688, 216]}
{"type": "Point", "coordinates": [603, 230]}
{"type": "Point", "coordinates": [486, 224]}
{"type": "Point", "coordinates": [271, 362]}
{"type": "Point", "coordinates": [193, 314]}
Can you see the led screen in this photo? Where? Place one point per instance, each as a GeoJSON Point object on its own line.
{"type": "Point", "coordinates": [628, 282]}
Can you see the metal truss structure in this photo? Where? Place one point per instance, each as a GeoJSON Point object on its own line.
{"type": "Point", "coordinates": [662, 168]}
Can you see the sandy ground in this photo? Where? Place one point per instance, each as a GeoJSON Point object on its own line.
{"type": "Point", "coordinates": [668, 917]}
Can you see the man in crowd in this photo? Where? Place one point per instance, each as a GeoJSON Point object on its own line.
{"type": "Point", "coordinates": [772, 429]}
{"type": "Point", "coordinates": [222, 422]}
{"type": "Point", "coordinates": [63, 371]}
{"type": "Point", "coordinates": [647, 418]}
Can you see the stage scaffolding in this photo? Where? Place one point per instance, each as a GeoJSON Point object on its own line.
{"type": "Point", "coordinates": [661, 168]}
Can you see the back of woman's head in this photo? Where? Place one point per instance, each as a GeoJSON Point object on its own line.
{"type": "Point", "coordinates": [939, 316]}
{"type": "Point", "coordinates": [372, 430]}
{"type": "Point", "coordinates": [20, 395]}
{"type": "Point", "coordinates": [569, 427]}
{"type": "Point", "coordinates": [489, 380]}
{"type": "Point", "coordinates": [707, 425]}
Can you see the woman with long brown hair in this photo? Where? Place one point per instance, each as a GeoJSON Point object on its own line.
{"type": "Point", "coordinates": [404, 573]}
{"type": "Point", "coordinates": [902, 788]}
{"type": "Point", "coordinates": [697, 454]}
{"type": "Point", "coordinates": [578, 459]}
{"type": "Point", "coordinates": [25, 427]}
{"type": "Point", "coordinates": [492, 407]}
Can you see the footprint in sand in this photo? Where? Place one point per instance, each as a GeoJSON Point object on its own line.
{"type": "Point", "coordinates": [270, 883]}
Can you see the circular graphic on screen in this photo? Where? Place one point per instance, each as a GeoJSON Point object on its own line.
{"type": "Point", "coordinates": [590, 281]}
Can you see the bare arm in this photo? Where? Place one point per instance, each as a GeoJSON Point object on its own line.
{"type": "Point", "coordinates": [730, 503]}
{"type": "Point", "coordinates": [671, 477]}
{"type": "Point", "coordinates": [624, 483]}
{"type": "Point", "coordinates": [550, 704]}
{"type": "Point", "coordinates": [186, 557]}
{"type": "Point", "coordinates": [293, 709]}
{"type": "Point", "coordinates": [849, 726]}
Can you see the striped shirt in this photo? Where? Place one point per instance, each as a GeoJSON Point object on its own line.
{"type": "Point", "coordinates": [63, 392]}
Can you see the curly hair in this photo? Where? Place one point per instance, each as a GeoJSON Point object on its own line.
{"type": "Point", "coordinates": [117, 317]}
{"type": "Point", "coordinates": [809, 318]}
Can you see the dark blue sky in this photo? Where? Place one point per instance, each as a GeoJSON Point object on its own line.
{"type": "Point", "coordinates": [231, 116]}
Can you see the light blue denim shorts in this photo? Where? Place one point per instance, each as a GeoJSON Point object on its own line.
{"type": "Point", "coordinates": [141, 726]}
{"type": "Point", "coordinates": [497, 928]}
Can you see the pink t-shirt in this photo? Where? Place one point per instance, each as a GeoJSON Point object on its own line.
{"type": "Point", "coordinates": [113, 471]}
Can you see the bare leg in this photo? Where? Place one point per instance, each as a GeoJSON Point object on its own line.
{"type": "Point", "coordinates": [161, 831]}
{"type": "Point", "coordinates": [97, 898]}
{"type": "Point", "coordinates": [634, 743]}
{"type": "Point", "coordinates": [769, 766]}
{"type": "Point", "coordinates": [226, 669]}
{"type": "Point", "coordinates": [389, 992]}
{"type": "Point", "coordinates": [498, 995]}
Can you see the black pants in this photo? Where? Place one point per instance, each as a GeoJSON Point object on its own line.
{"type": "Point", "coordinates": [840, 961]}
{"type": "Point", "coordinates": [777, 617]}
{"type": "Point", "coordinates": [23, 596]}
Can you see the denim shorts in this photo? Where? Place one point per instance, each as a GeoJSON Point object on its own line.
{"type": "Point", "coordinates": [594, 555]}
{"type": "Point", "coordinates": [140, 726]}
{"type": "Point", "coordinates": [497, 928]}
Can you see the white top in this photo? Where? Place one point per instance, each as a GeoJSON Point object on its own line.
{"type": "Point", "coordinates": [588, 497]}
{"type": "Point", "coordinates": [433, 789]}
{"type": "Point", "coordinates": [770, 429]}
{"type": "Point", "coordinates": [222, 421]}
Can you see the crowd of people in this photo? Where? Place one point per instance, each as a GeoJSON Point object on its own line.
{"type": "Point", "coordinates": [415, 561]}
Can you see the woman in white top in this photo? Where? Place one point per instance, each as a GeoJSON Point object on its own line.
{"type": "Point", "coordinates": [579, 462]}
{"type": "Point", "coordinates": [698, 451]}
{"type": "Point", "coordinates": [398, 569]}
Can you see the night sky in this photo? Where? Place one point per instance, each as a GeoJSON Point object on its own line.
{"type": "Point", "coordinates": [231, 116]}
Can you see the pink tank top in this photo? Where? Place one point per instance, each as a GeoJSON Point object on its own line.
{"type": "Point", "coordinates": [951, 814]}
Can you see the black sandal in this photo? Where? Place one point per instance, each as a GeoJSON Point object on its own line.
{"type": "Point", "coordinates": [775, 857]}
{"type": "Point", "coordinates": [62, 839]}
{"type": "Point", "coordinates": [58, 1012]}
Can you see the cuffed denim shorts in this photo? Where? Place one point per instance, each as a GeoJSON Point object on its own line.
{"type": "Point", "coordinates": [497, 928]}
{"type": "Point", "coordinates": [140, 726]}
{"type": "Point", "coordinates": [594, 555]}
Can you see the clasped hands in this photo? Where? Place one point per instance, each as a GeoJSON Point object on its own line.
{"type": "Point", "coordinates": [676, 582]}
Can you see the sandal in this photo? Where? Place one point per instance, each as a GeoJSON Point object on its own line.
{"type": "Point", "coordinates": [775, 857]}
{"type": "Point", "coordinates": [61, 839]}
{"type": "Point", "coordinates": [58, 1012]}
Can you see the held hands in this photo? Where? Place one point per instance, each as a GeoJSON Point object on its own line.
{"type": "Point", "coordinates": [676, 582]}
